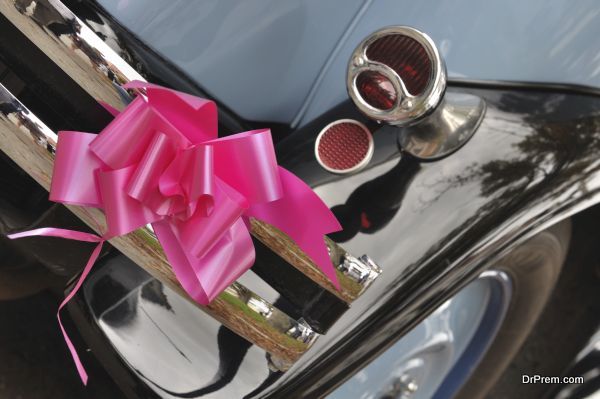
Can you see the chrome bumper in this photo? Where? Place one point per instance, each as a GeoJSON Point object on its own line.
{"type": "Point", "coordinates": [100, 72]}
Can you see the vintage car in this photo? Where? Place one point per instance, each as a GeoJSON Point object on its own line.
{"type": "Point", "coordinates": [457, 143]}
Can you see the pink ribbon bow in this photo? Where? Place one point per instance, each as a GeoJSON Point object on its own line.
{"type": "Point", "coordinates": [160, 162]}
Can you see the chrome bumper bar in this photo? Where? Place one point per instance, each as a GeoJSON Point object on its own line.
{"type": "Point", "coordinates": [101, 72]}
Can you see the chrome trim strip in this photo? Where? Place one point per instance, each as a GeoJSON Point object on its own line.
{"type": "Point", "coordinates": [355, 275]}
{"type": "Point", "coordinates": [31, 144]}
{"type": "Point", "coordinates": [80, 53]}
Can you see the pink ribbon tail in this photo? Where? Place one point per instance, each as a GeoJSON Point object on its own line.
{"type": "Point", "coordinates": [308, 228]}
{"type": "Point", "coordinates": [78, 236]}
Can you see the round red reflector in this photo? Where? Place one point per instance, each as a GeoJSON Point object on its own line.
{"type": "Point", "coordinates": [344, 146]}
{"type": "Point", "coordinates": [376, 90]}
{"type": "Point", "coordinates": [407, 57]}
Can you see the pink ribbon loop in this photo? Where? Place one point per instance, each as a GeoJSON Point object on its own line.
{"type": "Point", "coordinates": [160, 162]}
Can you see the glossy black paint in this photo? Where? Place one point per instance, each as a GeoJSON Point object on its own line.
{"type": "Point", "coordinates": [122, 299]}
{"type": "Point", "coordinates": [85, 332]}
{"type": "Point", "coordinates": [431, 226]}
{"type": "Point", "coordinates": [586, 365]}
{"type": "Point", "coordinates": [533, 160]}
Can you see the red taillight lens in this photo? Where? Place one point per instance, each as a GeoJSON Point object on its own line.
{"type": "Point", "coordinates": [406, 57]}
{"type": "Point", "coordinates": [344, 146]}
{"type": "Point", "coordinates": [376, 90]}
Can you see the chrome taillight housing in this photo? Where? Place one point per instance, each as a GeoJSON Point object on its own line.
{"type": "Point", "coordinates": [396, 75]}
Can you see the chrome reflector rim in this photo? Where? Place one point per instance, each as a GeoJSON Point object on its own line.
{"type": "Point", "coordinates": [360, 164]}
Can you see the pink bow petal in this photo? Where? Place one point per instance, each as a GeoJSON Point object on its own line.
{"type": "Point", "coordinates": [190, 178]}
{"type": "Point", "coordinates": [246, 161]}
{"type": "Point", "coordinates": [125, 140]}
{"type": "Point", "coordinates": [204, 278]}
{"type": "Point", "coordinates": [123, 213]}
{"type": "Point", "coordinates": [73, 180]}
{"type": "Point", "coordinates": [197, 179]}
{"type": "Point", "coordinates": [194, 117]}
{"type": "Point", "coordinates": [145, 180]}
{"type": "Point", "coordinates": [200, 233]}
{"type": "Point", "coordinates": [227, 260]}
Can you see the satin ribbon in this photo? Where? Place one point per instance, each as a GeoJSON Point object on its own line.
{"type": "Point", "coordinates": [160, 162]}
{"type": "Point", "coordinates": [78, 236]}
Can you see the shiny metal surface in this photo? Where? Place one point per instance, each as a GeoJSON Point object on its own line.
{"type": "Point", "coordinates": [72, 45]}
{"type": "Point", "coordinates": [352, 284]}
{"type": "Point", "coordinates": [469, 358]}
{"type": "Point", "coordinates": [363, 271]}
{"type": "Point", "coordinates": [35, 144]}
{"type": "Point", "coordinates": [408, 109]}
{"type": "Point", "coordinates": [446, 129]}
{"type": "Point", "coordinates": [28, 142]}
{"type": "Point", "coordinates": [440, 226]}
